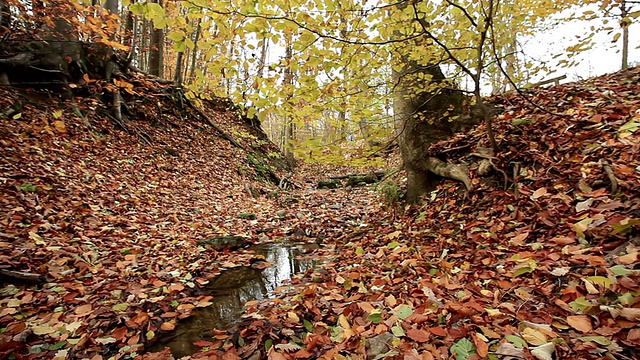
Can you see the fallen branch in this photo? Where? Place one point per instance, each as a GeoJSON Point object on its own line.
{"type": "Point", "coordinates": [21, 276]}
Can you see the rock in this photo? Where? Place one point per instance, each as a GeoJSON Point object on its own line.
{"type": "Point", "coordinates": [290, 200]}
{"type": "Point", "coordinates": [281, 213]}
{"type": "Point", "coordinates": [379, 344]}
{"type": "Point", "coordinates": [329, 184]}
{"type": "Point", "coordinates": [361, 180]}
{"type": "Point", "coordinates": [247, 216]}
{"type": "Point", "coordinates": [228, 242]}
{"type": "Point", "coordinates": [335, 206]}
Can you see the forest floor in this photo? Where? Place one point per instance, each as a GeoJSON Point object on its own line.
{"type": "Point", "coordinates": [539, 260]}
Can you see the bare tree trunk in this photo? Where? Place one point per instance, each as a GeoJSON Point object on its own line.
{"type": "Point", "coordinates": [112, 6]}
{"type": "Point", "coordinates": [625, 34]}
{"type": "Point", "coordinates": [156, 51]}
{"type": "Point", "coordinates": [130, 33]}
{"type": "Point", "coordinates": [289, 132]}
{"type": "Point", "coordinates": [178, 75]}
{"type": "Point", "coordinates": [194, 54]}
{"type": "Point", "coordinates": [144, 44]}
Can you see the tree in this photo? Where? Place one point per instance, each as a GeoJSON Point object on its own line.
{"type": "Point", "coordinates": [156, 50]}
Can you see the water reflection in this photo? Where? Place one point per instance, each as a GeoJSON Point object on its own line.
{"type": "Point", "coordinates": [232, 289]}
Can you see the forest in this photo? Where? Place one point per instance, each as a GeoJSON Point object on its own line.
{"type": "Point", "coordinates": [319, 179]}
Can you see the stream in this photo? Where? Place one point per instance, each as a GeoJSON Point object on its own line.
{"type": "Point", "coordinates": [232, 289]}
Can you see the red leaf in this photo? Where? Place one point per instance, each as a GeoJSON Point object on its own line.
{"type": "Point", "coordinates": [439, 331]}
{"type": "Point", "coordinates": [203, 343]}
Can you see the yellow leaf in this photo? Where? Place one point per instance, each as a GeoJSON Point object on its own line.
{"type": "Point", "coordinates": [616, 37]}
{"type": "Point", "coordinates": [42, 329]}
{"type": "Point", "coordinates": [534, 337]}
{"type": "Point", "coordinates": [167, 326]}
{"type": "Point", "coordinates": [59, 126]}
{"type": "Point", "coordinates": [293, 317]}
{"type": "Point", "coordinates": [539, 193]}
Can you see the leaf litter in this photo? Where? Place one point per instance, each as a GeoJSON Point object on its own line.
{"type": "Point", "coordinates": [541, 266]}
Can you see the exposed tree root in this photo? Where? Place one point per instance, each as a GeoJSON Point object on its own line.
{"type": "Point", "coordinates": [486, 165]}
{"type": "Point", "coordinates": [451, 171]}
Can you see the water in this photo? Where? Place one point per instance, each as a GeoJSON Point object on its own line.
{"type": "Point", "coordinates": [232, 289]}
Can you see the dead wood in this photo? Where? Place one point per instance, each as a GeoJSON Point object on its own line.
{"type": "Point", "coordinates": [450, 171]}
{"type": "Point", "coordinates": [21, 276]}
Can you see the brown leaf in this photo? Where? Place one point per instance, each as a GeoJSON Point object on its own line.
{"type": "Point", "coordinates": [167, 326]}
{"type": "Point", "coordinates": [302, 354]}
{"type": "Point", "coordinates": [581, 323]}
{"type": "Point", "coordinates": [176, 287]}
{"type": "Point", "coordinates": [119, 333]}
{"type": "Point", "coordinates": [627, 259]}
{"type": "Point", "coordinates": [83, 309]}
{"type": "Point", "coordinates": [482, 348]}
{"type": "Point", "coordinates": [140, 318]}
{"type": "Point", "coordinates": [203, 343]}
{"type": "Point", "coordinates": [418, 335]}
{"type": "Point", "coordinates": [438, 330]}
{"type": "Point", "coordinates": [274, 355]}
{"type": "Point", "coordinates": [634, 335]}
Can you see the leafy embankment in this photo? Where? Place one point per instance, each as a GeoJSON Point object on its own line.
{"type": "Point", "coordinates": [110, 215]}
{"type": "Point", "coordinates": [524, 266]}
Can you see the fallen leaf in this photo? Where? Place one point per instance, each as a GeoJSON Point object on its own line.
{"type": "Point", "coordinates": [544, 351]}
{"type": "Point", "coordinates": [581, 323]}
{"type": "Point", "coordinates": [167, 326]}
{"type": "Point", "coordinates": [418, 335]}
{"type": "Point", "coordinates": [533, 337]}
{"type": "Point", "coordinates": [83, 309]}
{"type": "Point", "coordinates": [539, 193]}
{"type": "Point", "coordinates": [627, 259]}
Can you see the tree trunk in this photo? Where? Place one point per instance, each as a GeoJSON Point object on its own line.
{"type": "Point", "coordinates": [288, 130]}
{"type": "Point", "coordinates": [194, 55]}
{"type": "Point", "coordinates": [112, 6]}
{"type": "Point", "coordinates": [625, 35]}
{"type": "Point", "coordinates": [143, 55]}
{"type": "Point", "coordinates": [156, 50]}
{"type": "Point", "coordinates": [426, 117]}
{"type": "Point", "coordinates": [178, 75]}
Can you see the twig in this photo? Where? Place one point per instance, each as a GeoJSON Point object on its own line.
{"type": "Point", "coordinates": [611, 176]}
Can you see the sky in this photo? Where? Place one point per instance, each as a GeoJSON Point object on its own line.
{"type": "Point", "coordinates": [605, 57]}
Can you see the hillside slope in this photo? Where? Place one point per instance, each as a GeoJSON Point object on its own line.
{"type": "Point", "coordinates": [103, 212]}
